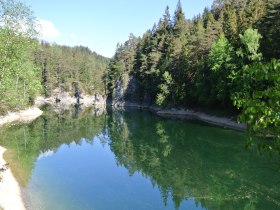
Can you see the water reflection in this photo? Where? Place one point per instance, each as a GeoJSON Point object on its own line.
{"type": "Point", "coordinates": [185, 161]}
{"type": "Point", "coordinates": [25, 143]}
{"type": "Point", "coordinates": [189, 161]}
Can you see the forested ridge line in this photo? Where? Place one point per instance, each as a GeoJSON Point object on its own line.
{"type": "Point", "coordinates": [225, 58]}
{"type": "Point", "coordinates": [68, 68]}
{"type": "Point", "coordinates": [30, 67]}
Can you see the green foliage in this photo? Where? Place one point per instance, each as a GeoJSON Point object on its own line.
{"type": "Point", "coordinates": [222, 61]}
{"type": "Point", "coordinates": [27, 69]}
{"type": "Point", "coordinates": [207, 58]}
{"type": "Point", "coordinates": [17, 19]}
{"type": "Point", "coordinates": [259, 96]}
{"type": "Point", "coordinates": [269, 26]}
{"type": "Point", "coordinates": [221, 56]}
{"type": "Point", "coordinates": [119, 68]}
{"type": "Point", "coordinates": [62, 66]}
{"type": "Point", "coordinates": [229, 21]}
{"type": "Point", "coordinates": [19, 78]}
{"type": "Point", "coordinates": [165, 88]}
{"type": "Point", "coordinates": [251, 43]}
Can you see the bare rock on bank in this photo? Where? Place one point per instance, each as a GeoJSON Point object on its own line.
{"type": "Point", "coordinates": [213, 120]}
{"type": "Point", "coordinates": [10, 195]}
{"type": "Point", "coordinates": [66, 100]}
{"type": "Point", "coordinates": [99, 100]}
{"type": "Point", "coordinates": [21, 116]}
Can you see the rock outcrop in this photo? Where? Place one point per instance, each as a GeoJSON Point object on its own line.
{"type": "Point", "coordinates": [66, 100]}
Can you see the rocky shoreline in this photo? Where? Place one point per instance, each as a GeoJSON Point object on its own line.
{"type": "Point", "coordinates": [21, 116]}
{"type": "Point", "coordinates": [223, 122]}
{"type": "Point", "coordinates": [213, 120]}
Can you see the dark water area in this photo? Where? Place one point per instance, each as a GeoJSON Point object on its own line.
{"type": "Point", "coordinates": [132, 160]}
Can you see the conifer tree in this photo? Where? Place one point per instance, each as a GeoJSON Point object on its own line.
{"type": "Point", "coordinates": [229, 21]}
{"type": "Point", "coordinates": [269, 27]}
{"type": "Point", "coordinates": [178, 53]}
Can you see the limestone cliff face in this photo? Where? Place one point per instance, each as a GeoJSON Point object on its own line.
{"type": "Point", "coordinates": [67, 99]}
{"type": "Point", "coordinates": [126, 89]}
{"type": "Point", "coordinates": [99, 99]}
{"type": "Point", "coordinates": [118, 94]}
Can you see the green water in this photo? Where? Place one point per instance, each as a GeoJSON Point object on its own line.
{"type": "Point", "coordinates": [135, 160]}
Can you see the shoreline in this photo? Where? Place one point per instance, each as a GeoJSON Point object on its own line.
{"type": "Point", "coordinates": [223, 122]}
{"type": "Point", "coordinates": [66, 101]}
{"type": "Point", "coordinates": [26, 115]}
{"type": "Point", "coordinates": [200, 116]}
{"type": "Point", "coordinates": [10, 193]}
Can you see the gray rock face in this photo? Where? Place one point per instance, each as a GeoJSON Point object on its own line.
{"type": "Point", "coordinates": [118, 95]}
{"type": "Point", "coordinates": [99, 99]}
{"type": "Point", "coordinates": [65, 100]}
{"type": "Point", "coordinates": [125, 90]}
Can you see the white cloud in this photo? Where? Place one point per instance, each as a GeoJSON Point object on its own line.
{"type": "Point", "coordinates": [47, 29]}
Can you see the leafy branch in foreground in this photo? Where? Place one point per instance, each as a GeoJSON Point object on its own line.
{"type": "Point", "coordinates": [259, 100]}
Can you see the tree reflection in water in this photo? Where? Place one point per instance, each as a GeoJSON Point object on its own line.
{"type": "Point", "coordinates": [184, 160]}
{"type": "Point", "coordinates": [191, 161]}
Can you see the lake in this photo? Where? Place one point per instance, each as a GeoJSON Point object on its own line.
{"type": "Point", "coordinates": [134, 160]}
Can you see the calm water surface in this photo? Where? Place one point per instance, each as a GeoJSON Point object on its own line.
{"type": "Point", "coordinates": [135, 160]}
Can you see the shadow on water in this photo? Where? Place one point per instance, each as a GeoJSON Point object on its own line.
{"type": "Point", "coordinates": [186, 161]}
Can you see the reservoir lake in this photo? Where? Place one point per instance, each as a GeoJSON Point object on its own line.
{"type": "Point", "coordinates": [134, 160]}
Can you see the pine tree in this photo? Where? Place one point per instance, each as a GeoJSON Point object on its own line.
{"type": "Point", "coordinates": [269, 27]}
{"type": "Point", "coordinates": [217, 7]}
{"type": "Point", "coordinates": [255, 10]}
{"type": "Point", "coordinates": [229, 21]}
{"type": "Point", "coordinates": [178, 53]}
{"type": "Point", "coordinates": [212, 32]}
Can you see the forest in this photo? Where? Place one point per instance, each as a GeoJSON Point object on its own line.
{"type": "Point", "coordinates": [225, 58]}
{"type": "Point", "coordinates": [29, 67]}
{"type": "Point", "coordinates": [64, 66]}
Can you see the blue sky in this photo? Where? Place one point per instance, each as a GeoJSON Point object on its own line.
{"type": "Point", "coordinates": [101, 24]}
